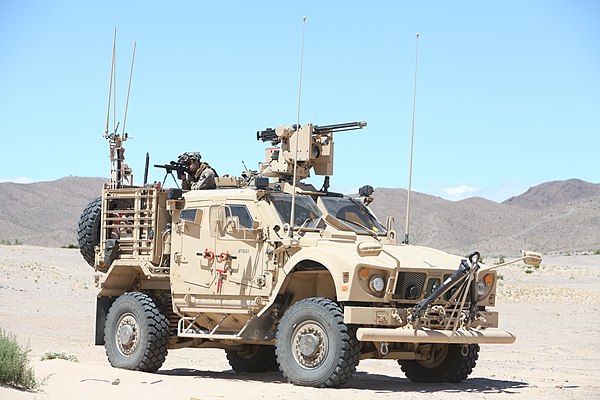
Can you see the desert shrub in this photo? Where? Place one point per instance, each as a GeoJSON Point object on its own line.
{"type": "Point", "coordinates": [14, 364]}
{"type": "Point", "coordinates": [51, 355]}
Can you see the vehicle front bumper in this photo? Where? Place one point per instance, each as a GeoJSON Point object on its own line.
{"type": "Point", "coordinates": [388, 324]}
{"type": "Point", "coordinates": [422, 335]}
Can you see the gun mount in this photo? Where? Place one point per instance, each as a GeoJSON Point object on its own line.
{"type": "Point", "coordinates": [311, 146]}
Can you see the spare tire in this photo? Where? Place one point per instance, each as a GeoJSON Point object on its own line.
{"type": "Point", "coordinates": [88, 230]}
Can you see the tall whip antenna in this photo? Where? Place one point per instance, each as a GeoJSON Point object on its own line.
{"type": "Point", "coordinates": [292, 216]}
{"type": "Point", "coordinates": [114, 81]}
{"type": "Point", "coordinates": [128, 89]}
{"type": "Point", "coordinates": [412, 141]}
{"type": "Point", "coordinates": [110, 82]}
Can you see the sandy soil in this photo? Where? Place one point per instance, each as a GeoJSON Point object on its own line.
{"type": "Point", "coordinates": [47, 299]}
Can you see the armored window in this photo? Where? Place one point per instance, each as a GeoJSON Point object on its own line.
{"type": "Point", "coordinates": [306, 213]}
{"type": "Point", "coordinates": [353, 214]}
{"type": "Point", "coordinates": [241, 212]}
{"type": "Point", "coordinates": [188, 215]}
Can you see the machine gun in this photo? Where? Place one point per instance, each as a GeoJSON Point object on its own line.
{"type": "Point", "coordinates": [311, 146]}
{"type": "Point", "coordinates": [270, 134]}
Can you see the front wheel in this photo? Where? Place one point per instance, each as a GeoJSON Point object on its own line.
{"type": "Point", "coordinates": [314, 346]}
{"type": "Point", "coordinates": [136, 333]}
{"type": "Point", "coordinates": [447, 363]}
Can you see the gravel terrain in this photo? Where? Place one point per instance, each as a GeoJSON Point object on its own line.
{"type": "Point", "coordinates": [47, 299]}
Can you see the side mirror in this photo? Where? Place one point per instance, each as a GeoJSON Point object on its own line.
{"type": "Point", "coordinates": [532, 258]}
{"type": "Point", "coordinates": [390, 227]}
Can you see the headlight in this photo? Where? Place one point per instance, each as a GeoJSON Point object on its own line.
{"type": "Point", "coordinates": [481, 289]}
{"type": "Point", "coordinates": [484, 286]}
{"type": "Point", "coordinates": [376, 284]}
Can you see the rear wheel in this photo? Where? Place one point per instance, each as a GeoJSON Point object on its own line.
{"type": "Point", "coordinates": [314, 346]}
{"type": "Point", "coordinates": [448, 363]}
{"type": "Point", "coordinates": [136, 333]}
{"type": "Point", "coordinates": [88, 230]}
{"type": "Point", "coordinates": [252, 358]}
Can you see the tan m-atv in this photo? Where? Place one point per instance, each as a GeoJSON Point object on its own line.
{"type": "Point", "coordinates": [308, 290]}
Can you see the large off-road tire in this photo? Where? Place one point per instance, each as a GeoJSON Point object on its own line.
{"type": "Point", "coordinates": [136, 333]}
{"type": "Point", "coordinates": [88, 230]}
{"type": "Point", "coordinates": [313, 345]}
{"type": "Point", "coordinates": [449, 363]}
{"type": "Point", "coordinates": [253, 358]}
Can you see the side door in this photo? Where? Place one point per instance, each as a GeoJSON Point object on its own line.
{"type": "Point", "coordinates": [240, 251]}
{"type": "Point", "coordinates": [191, 271]}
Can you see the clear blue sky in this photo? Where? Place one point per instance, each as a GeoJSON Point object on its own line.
{"type": "Point", "coordinates": [508, 93]}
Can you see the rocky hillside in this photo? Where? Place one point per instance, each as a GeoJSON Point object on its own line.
{"type": "Point", "coordinates": [555, 193]}
{"type": "Point", "coordinates": [45, 213]}
{"type": "Point", "coordinates": [572, 224]}
{"type": "Point", "coordinates": [554, 216]}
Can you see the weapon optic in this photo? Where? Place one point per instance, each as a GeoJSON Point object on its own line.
{"type": "Point", "coordinates": [175, 166]}
{"type": "Point", "coordinates": [180, 168]}
{"type": "Point", "coordinates": [268, 135]}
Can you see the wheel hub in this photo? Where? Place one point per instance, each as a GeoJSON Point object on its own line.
{"type": "Point", "coordinates": [438, 353]}
{"type": "Point", "coordinates": [310, 344]}
{"type": "Point", "coordinates": [127, 335]}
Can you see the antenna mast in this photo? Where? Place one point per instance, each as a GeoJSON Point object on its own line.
{"type": "Point", "coordinates": [119, 171]}
{"type": "Point", "coordinates": [412, 141]}
{"type": "Point", "coordinates": [292, 216]}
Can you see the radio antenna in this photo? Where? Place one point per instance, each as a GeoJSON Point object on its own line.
{"type": "Point", "coordinates": [119, 171]}
{"type": "Point", "coordinates": [412, 141]}
{"type": "Point", "coordinates": [110, 82]}
{"type": "Point", "coordinates": [114, 82]}
{"type": "Point", "coordinates": [128, 90]}
{"type": "Point", "coordinates": [292, 216]}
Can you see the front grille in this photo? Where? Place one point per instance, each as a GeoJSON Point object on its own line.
{"type": "Point", "coordinates": [409, 284]}
{"type": "Point", "coordinates": [432, 284]}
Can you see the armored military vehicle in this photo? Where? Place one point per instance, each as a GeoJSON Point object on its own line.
{"type": "Point", "coordinates": [279, 274]}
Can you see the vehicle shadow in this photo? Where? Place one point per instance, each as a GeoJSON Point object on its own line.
{"type": "Point", "coordinates": [367, 381]}
{"type": "Point", "coordinates": [384, 383]}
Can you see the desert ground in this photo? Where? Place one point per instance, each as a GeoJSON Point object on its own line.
{"type": "Point", "coordinates": [47, 299]}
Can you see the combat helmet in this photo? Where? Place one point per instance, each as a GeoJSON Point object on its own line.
{"type": "Point", "coordinates": [189, 156]}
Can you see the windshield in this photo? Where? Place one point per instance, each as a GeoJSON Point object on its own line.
{"type": "Point", "coordinates": [306, 213]}
{"type": "Point", "coordinates": [353, 214]}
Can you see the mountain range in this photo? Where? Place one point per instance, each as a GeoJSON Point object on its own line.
{"type": "Point", "coordinates": [559, 216]}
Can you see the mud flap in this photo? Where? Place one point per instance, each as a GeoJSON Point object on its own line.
{"type": "Point", "coordinates": [102, 306]}
{"type": "Point", "coordinates": [111, 252]}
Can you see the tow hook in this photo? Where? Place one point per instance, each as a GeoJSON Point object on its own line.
{"type": "Point", "coordinates": [383, 348]}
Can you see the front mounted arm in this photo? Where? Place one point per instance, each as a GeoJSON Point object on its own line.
{"type": "Point", "coordinates": [467, 268]}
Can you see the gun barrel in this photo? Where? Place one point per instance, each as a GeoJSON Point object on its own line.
{"type": "Point", "coordinates": [348, 126]}
{"type": "Point", "coordinates": [165, 166]}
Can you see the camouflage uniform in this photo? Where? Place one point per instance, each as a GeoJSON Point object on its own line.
{"type": "Point", "coordinates": [203, 178]}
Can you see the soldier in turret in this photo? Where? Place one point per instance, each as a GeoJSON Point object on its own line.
{"type": "Point", "coordinates": [198, 175]}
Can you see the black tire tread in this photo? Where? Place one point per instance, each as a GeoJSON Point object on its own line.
{"type": "Point", "coordinates": [455, 370]}
{"type": "Point", "coordinates": [158, 332]}
{"type": "Point", "coordinates": [88, 230]}
{"type": "Point", "coordinates": [264, 360]}
{"type": "Point", "coordinates": [350, 349]}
